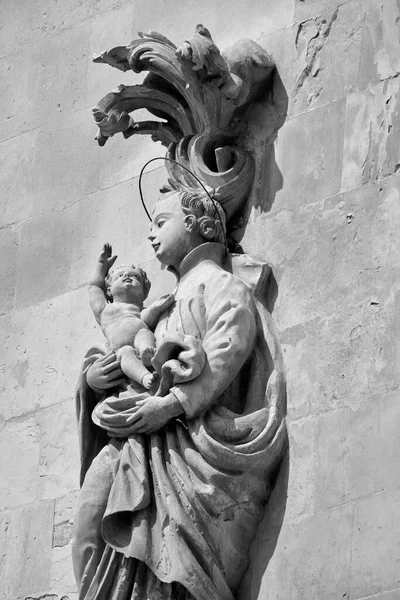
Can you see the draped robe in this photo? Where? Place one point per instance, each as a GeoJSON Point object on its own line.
{"type": "Point", "coordinates": [171, 515]}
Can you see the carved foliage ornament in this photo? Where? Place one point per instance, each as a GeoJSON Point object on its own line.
{"type": "Point", "coordinates": [199, 93]}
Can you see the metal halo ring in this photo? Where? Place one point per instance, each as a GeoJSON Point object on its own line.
{"type": "Point", "coordinates": [182, 167]}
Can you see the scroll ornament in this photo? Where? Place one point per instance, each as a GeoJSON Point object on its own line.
{"type": "Point", "coordinates": [199, 93]}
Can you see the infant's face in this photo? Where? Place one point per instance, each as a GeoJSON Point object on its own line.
{"type": "Point", "coordinates": [126, 280]}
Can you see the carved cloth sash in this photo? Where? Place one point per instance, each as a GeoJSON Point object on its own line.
{"type": "Point", "coordinates": [185, 501]}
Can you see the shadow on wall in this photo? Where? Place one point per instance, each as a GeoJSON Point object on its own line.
{"type": "Point", "coordinates": [263, 120]}
{"type": "Point", "coordinates": [264, 544]}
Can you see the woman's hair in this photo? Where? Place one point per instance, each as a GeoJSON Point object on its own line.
{"type": "Point", "coordinates": [203, 207]}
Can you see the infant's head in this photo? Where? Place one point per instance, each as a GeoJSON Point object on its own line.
{"type": "Point", "coordinates": [127, 282]}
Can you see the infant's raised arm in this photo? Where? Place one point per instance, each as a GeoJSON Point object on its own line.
{"type": "Point", "coordinates": [97, 284]}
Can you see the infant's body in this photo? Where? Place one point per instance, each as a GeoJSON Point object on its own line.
{"type": "Point", "coordinates": [116, 299]}
{"type": "Point", "coordinates": [121, 323]}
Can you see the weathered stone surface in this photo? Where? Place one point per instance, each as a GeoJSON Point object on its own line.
{"type": "Point", "coordinates": [62, 580]}
{"type": "Point", "coordinates": [371, 150]}
{"type": "Point", "coordinates": [19, 462]}
{"type": "Point", "coordinates": [308, 154]}
{"type": "Point", "coordinates": [44, 257]}
{"type": "Point", "coordinates": [114, 215]}
{"type": "Point", "coordinates": [392, 595]}
{"type": "Point", "coordinates": [66, 163]}
{"type": "Point", "coordinates": [388, 475]}
{"type": "Point", "coordinates": [309, 558]}
{"type": "Point", "coordinates": [63, 329]}
{"type": "Point", "coordinates": [53, 92]}
{"type": "Point", "coordinates": [375, 561]}
{"type": "Point", "coordinates": [59, 451]}
{"type": "Point", "coordinates": [337, 352]}
{"type": "Point", "coordinates": [348, 457]}
{"type": "Point", "coordinates": [329, 47]}
{"type": "Point", "coordinates": [101, 78]}
{"type": "Point", "coordinates": [380, 57]}
{"type": "Point", "coordinates": [108, 216]}
{"type": "Point", "coordinates": [65, 508]}
{"type": "Point", "coordinates": [300, 484]}
{"type": "Point", "coordinates": [123, 159]}
{"type": "Point", "coordinates": [17, 176]}
{"type": "Point", "coordinates": [33, 95]}
{"type": "Point", "coordinates": [25, 547]}
{"type": "Point", "coordinates": [8, 274]}
{"type": "Point", "coordinates": [28, 23]}
{"type": "Point", "coordinates": [307, 9]}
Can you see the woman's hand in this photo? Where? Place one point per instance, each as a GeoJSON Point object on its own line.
{"type": "Point", "coordinates": [105, 373]}
{"type": "Point", "coordinates": [153, 413]}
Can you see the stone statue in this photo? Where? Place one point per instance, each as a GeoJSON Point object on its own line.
{"type": "Point", "coordinates": [116, 299]}
{"type": "Point", "coordinates": [174, 484]}
{"type": "Point", "coordinates": [175, 478]}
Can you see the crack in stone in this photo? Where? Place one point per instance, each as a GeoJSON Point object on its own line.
{"type": "Point", "coordinates": [314, 46]}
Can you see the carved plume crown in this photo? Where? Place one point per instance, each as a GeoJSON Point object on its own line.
{"type": "Point", "coordinates": [200, 94]}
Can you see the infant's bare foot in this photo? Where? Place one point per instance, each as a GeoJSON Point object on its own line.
{"type": "Point", "coordinates": [148, 381]}
{"type": "Point", "coordinates": [146, 355]}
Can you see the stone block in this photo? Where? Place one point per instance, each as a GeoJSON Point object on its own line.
{"type": "Point", "coordinates": [66, 162]}
{"type": "Point", "coordinates": [62, 580]}
{"type": "Point", "coordinates": [44, 257]}
{"type": "Point", "coordinates": [305, 559]}
{"type": "Point", "coordinates": [375, 563]}
{"type": "Point", "coordinates": [17, 176]}
{"type": "Point", "coordinates": [51, 93]}
{"type": "Point", "coordinates": [8, 276]}
{"type": "Point", "coordinates": [388, 475]}
{"type": "Point", "coordinates": [59, 450]}
{"type": "Point", "coordinates": [318, 58]}
{"type": "Point", "coordinates": [16, 107]}
{"type": "Point", "coordinates": [63, 329]}
{"type": "Point", "coordinates": [380, 56]}
{"type": "Point", "coordinates": [32, 96]}
{"type": "Point", "coordinates": [292, 497]}
{"type": "Point", "coordinates": [303, 451]}
{"type": "Point", "coordinates": [329, 50]}
{"type": "Point", "coordinates": [19, 462]}
{"type": "Point", "coordinates": [25, 549]}
{"type": "Point", "coordinates": [347, 461]}
{"type": "Point", "coordinates": [371, 151]}
{"type": "Point", "coordinates": [30, 22]}
{"type": "Point", "coordinates": [308, 153]}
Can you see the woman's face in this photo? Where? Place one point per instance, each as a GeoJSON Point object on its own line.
{"type": "Point", "coordinates": [173, 234]}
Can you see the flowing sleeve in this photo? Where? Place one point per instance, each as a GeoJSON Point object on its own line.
{"type": "Point", "coordinates": [228, 343]}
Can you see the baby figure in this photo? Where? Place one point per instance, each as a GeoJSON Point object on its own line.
{"type": "Point", "coordinates": [116, 298]}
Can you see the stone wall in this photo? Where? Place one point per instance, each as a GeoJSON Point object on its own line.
{"type": "Point", "coordinates": [326, 216]}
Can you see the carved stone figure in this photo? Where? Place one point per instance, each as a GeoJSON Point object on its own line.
{"type": "Point", "coordinates": [116, 300]}
{"type": "Point", "coordinates": [174, 481]}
